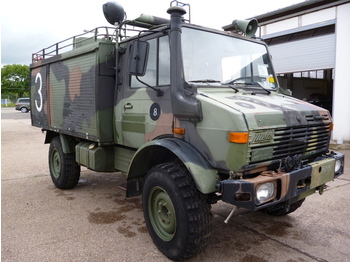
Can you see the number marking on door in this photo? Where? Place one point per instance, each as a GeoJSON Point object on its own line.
{"type": "Point", "coordinates": [154, 111]}
{"type": "Point", "coordinates": [39, 106]}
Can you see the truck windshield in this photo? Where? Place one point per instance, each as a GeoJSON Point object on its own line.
{"type": "Point", "coordinates": [215, 58]}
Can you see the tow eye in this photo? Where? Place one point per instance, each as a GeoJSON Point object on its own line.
{"type": "Point", "coordinates": [321, 189]}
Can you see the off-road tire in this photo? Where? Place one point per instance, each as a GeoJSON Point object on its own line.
{"type": "Point", "coordinates": [177, 215]}
{"type": "Point", "coordinates": [64, 170]}
{"type": "Point", "coordinates": [284, 209]}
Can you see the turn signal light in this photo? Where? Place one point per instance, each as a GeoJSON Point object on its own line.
{"type": "Point", "coordinates": [239, 138]}
{"type": "Point", "coordinates": [179, 131]}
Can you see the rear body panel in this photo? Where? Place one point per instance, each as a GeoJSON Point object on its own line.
{"type": "Point", "coordinates": [73, 93]}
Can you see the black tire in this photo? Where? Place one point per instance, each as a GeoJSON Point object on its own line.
{"type": "Point", "coordinates": [64, 170]}
{"type": "Point", "coordinates": [284, 209]}
{"type": "Point", "coordinates": [177, 215]}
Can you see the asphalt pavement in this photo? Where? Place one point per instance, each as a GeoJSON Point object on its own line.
{"type": "Point", "coordinates": [94, 221]}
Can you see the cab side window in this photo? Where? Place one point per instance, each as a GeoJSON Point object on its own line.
{"type": "Point", "coordinates": [158, 64]}
{"type": "Point", "coordinates": [164, 61]}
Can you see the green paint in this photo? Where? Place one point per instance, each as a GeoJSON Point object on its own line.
{"type": "Point", "coordinates": [134, 123]}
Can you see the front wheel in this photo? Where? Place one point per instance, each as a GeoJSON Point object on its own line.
{"type": "Point", "coordinates": [177, 215]}
{"type": "Point", "coordinates": [64, 170]}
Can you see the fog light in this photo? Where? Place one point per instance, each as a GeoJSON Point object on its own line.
{"type": "Point", "coordinates": [338, 165]}
{"type": "Point", "coordinates": [265, 191]}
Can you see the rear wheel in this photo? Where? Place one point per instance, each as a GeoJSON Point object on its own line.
{"type": "Point", "coordinates": [177, 215]}
{"type": "Point", "coordinates": [64, 170]}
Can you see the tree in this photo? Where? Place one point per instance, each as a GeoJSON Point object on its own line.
{"type": "Point", "coordinates": [15, 80]}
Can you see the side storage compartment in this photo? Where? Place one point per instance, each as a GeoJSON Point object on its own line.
{"type": "Point", "coordinates": [73, 92]}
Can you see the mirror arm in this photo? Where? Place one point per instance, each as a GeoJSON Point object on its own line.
{"type": "Point", "coordinates": [158, 90]}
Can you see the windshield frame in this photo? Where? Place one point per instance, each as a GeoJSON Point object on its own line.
{"type": "Point", "coordinates": [262, 72]}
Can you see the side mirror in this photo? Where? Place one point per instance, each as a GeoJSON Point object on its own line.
{"type": "Point", "coordinates": [138, 58]}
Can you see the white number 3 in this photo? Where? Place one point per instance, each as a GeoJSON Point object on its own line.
{"type": "Point", "coordinates": [39, 108]}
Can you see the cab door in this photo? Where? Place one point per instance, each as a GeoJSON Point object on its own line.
{"type": "Point", "coordinates": [144, 114]}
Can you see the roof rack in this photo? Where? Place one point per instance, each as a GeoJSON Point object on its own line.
{"type": "Point", "coordinates": [99, 34]}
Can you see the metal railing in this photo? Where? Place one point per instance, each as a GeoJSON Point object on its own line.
{"type": "Point", "coordinates": [99, 34]}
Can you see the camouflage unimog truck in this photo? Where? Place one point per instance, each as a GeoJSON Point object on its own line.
{"type": "Point", "coordinates": [190, 114]}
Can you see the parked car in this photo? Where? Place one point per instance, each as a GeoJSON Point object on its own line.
{"type": "Point", "coordinates": [23, 104]}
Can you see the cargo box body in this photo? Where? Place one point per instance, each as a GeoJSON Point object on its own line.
{"type": "Point", "coordinates": [73, 92]}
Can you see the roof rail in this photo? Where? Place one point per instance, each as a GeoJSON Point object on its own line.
{"type": "Point", "coordinates": [99, 34]}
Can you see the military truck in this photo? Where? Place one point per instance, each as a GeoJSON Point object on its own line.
{"type": "Point", "coordinates": [190, 114]}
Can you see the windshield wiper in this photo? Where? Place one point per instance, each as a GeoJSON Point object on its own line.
{"type": "Point", "coordinates": [214, 81]}
{"type": "Point", "coordinates": [236, 82]}
{"type": "Point", "coordinates": [205, 81]}
{"type": "Point", "coordinates": [267, 91]}
{"type": "Point", "coordinates": [258, 85]}
{"type": "Point", "coordinates": [232, 87]}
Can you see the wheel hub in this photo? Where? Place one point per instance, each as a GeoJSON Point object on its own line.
{"type": "Point", "coordinates": [162, 214]}
{"type": "Point", "coordinates": [56, 164]}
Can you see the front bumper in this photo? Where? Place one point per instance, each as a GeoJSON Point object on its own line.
{"type": "Point", "coordinates": [291, 187]}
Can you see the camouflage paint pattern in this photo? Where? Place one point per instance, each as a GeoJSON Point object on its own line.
{"type": "Point", "coordinates": [77, 94]}
{"type": "Point", "coordinates": [269, 120]}
{"type": "Point", "coordinates": [73, 93]}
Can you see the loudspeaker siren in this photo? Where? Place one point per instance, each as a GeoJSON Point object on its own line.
{"type": "Point", "coordinates": [247, 27]}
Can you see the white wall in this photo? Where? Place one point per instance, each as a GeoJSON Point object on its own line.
{"type": "Point", "coordinates": [317, 17]}
{"type": "Point", "coordinates": [299, 21]}
{"type": "Point", "coordinates": [279, 26]}
{"type": "Point", "coordinates": [341, 90]}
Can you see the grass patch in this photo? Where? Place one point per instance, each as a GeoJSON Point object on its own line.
{"type": "Point", "coordinates": [9, 105]}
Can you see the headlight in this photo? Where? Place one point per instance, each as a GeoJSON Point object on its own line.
{"type": "Point", "coordinates": [338, 165]}
{"type": "Point", "coordinates": [265, 192]}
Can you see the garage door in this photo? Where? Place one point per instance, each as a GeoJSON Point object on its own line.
{"type": "Point", "coordinates": [304, 55]}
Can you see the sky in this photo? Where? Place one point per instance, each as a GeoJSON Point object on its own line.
{"type": "Point", "coordinates": [28, 26]}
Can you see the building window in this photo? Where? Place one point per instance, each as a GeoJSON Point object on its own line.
{"type": "Point", "coordinates": [320, 74]}
{"type": "Point", "coordinates": [316, 74]}
{"type": "Point", "coordinates": [297, 74]}
{"type": "Point", "coordinates": [305, 74]}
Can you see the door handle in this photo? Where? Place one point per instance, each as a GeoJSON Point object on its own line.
{"type": "Point", "coordinates": [128, 106]}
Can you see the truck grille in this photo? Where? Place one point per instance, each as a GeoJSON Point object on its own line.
{"type": "Point", "coordinates": [305, 141]}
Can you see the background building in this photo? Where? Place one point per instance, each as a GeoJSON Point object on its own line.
{"type": "Point", "coordinates": [310, 46]}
